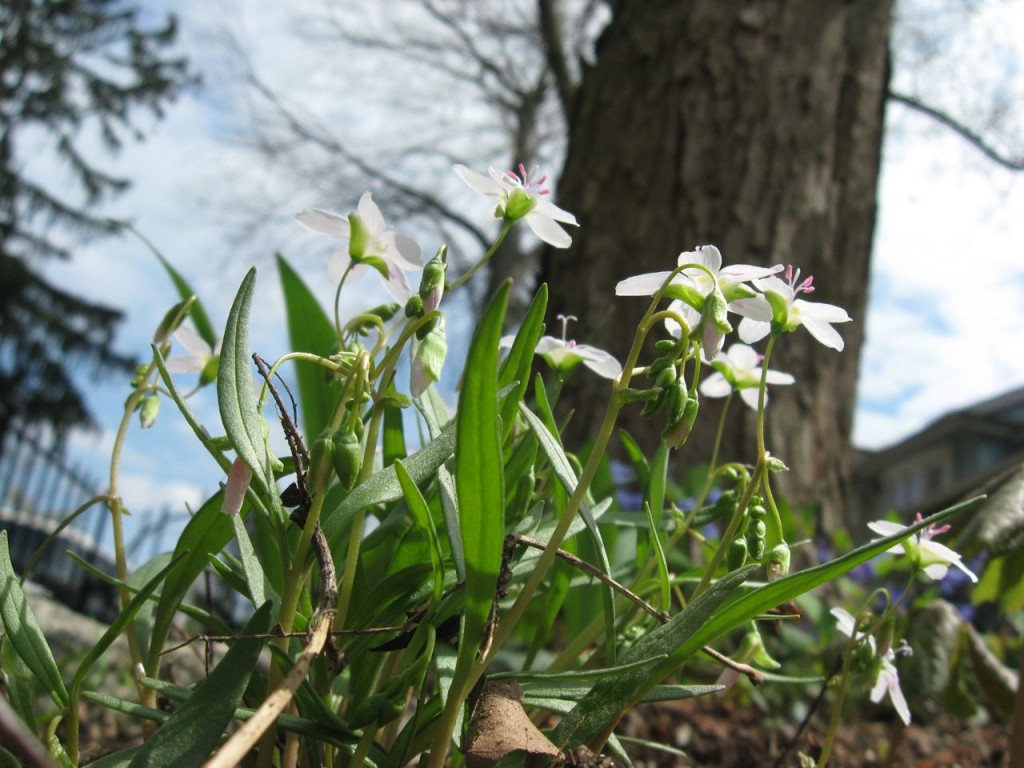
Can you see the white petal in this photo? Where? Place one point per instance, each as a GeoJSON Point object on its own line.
{"type": "Point", "coordinates": [775, 285]}
{"type": "Point", "coordinates": [778, 378]}
{"type": "Point", "coordinates": [845, 621]}
{"type": "Point", "coordinates": [338, 263]}
{"type": "Point", "coordinates": [397, 284]}
{"type": "Point", "coordinates": [741, 273]}
{"type": "Point", "coordinates": [193, 342]}
{"type": "Point", "coordinates": [184, 364]}
{"type": "Point", "coordinates": [715, 385]}
{"type": "Point", "coordinates": [886, 528]}
{"type": "Point", "coordinates": [743, 356]}
{"type": "Point", "coordinates": [403, 250]}
{"type": "Point", "coordinates": [506, 341]}
{"type": "Point", "coordinates": [756, 308]}
{"type": "Point", "coordinates": [751, 396]}
{"type": "Point", "coordinates": [753, 330]}
{"type": "Point", "coordinates": [239, 477]}
{"type": "Point", "coordinates": [324, 223]}
{"type": "Point", "coordinates": [711, 257]}
{"type": "Point", "coordinates": [599, 361]}
{"type": "Point", "coordinates": [370, 214]}
{"type": "Point", "coordinates": [642, 285]}
{"type": "Point", "coordinates": [824, 333]}
{"type": "Point", "coordinates": [552, 211]}
{"type": "Point", "coordinates": [547, 230]}
{"type": "Point", "coordinates": [828, 313]}
{"type": "Point", "coordinates": [478, 182]}
{"type": "Point", "coordinates": [547, 344]}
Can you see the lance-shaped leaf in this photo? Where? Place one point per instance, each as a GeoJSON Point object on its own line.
{"type": "Point", "coordinates": [196, 728]}
{"type": "Point", "coordinates": [310, 330]}
{"type": "Point", "coordinates": [23, 630]}
{"type": "Point", "coordinates": [242, 421]}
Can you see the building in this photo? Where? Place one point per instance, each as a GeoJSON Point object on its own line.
{"type": "Point", "coordinates": [952, 458]}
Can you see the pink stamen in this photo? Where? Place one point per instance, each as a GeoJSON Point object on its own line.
{"type": "Point", "coordinates": [532, 185]}
{"type": "Point", "coordinates": [793, 275]}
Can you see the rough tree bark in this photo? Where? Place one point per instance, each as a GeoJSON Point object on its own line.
{"type": "Point", "coordinates": [755, 125]}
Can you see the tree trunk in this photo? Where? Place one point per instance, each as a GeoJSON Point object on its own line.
{"type": "Point", "coordinates": [756, 126]}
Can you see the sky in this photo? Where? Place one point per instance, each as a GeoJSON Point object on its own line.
{"type": "Point", "coordinates": [944, 324]}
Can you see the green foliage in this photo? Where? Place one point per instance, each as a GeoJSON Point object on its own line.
{"type": "Point", "coordinates": [403, 576]}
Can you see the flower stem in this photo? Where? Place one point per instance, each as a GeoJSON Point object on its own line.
{"type": "Point", "coordinates": [505, 227]}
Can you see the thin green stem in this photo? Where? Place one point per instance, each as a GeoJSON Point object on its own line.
{"type": "Point", "coordinates": [505, 228]}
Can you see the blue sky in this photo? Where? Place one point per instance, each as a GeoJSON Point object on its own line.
{"type": "Point", "coordinates": [944, 326]}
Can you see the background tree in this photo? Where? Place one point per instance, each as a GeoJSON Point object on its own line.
{"type": "Point", "coordinates": [477, 75]}
{"type": "Point", "coordinates": [72, 75]}
{"type": "Point", "coordinates": [757, 126]}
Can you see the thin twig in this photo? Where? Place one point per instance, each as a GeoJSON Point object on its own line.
{"type": "Point", "coordinates": [264, 718]}
{"type": "Point", "coordinates": [755, 676]}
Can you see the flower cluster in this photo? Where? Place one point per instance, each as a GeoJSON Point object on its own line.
{"type": "Point", "coordinates": [886, 678]}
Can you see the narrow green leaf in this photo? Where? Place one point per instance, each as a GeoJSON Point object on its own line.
{"type": "Point", "coordinates": [235, 394]}
{"type": "Point", "coordinates": [516, 366]}
{"type": "Point", "coordinates": [592, 720]}
{"type": "Point", "coordinates": [636, 458]}
{"type": "Point", "coordinates": [199, 317]}
{"type": "Point", "coordinates": [196, 728]}
{"type": "Point", "coordinates": [425, 522]}
{"type": "Point", "coordinates": [23, 630]}
{"type": "Point", "coordinates": [117, 627]}
{"type": "Point", "coordinates": [552, 449]}
{"type": "Point", "coordinates": [479, 479]}
{"type": "Point", "coordinates": [393, 443]}
{"type": "Point", "coordinates": [310, 330]}
{"type": "Point", "coordinates": [205, 534]}
{"type": "Point", "coordinates": [251, 565]}
{"type": "Point", "coordinates": [383, 487]}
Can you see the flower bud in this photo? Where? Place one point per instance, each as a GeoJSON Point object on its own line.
{"type": "Point", "coordinates": [321, 464]}
{"type": "Point", "coordinates": [778, 561]}
{"type": "Point", "coordinates": [680, 426]}
{"type": "Point", "coordinates": [348, 458]}
{"type": "Point", "coordinates": [736, 557]}
{"type": "Point", "coordinates": [149, 407]}
{"type": "Point", "coordinates": [414, 306]}
{"type": "Point", "coordinates": [776, 465]}
{"type": "Point", "coordinates": [756, 532]}
{"type": "Point", "coordinates": [432, 282]}
{"type": "Point", "coordinates": [428, 360]}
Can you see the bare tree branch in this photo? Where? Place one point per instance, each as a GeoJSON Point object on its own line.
{"type": "Point", "coordinates": [550, 27]}
{"type": "Point", "coordinates": [970, 136]}
{"type": "Point", "coordinates": [425, 201]}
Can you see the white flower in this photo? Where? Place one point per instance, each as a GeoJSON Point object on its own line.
{"type": "Point", "coordinates": [886, 677]}
{"type": "Point", "coordinates": [933, 558]}
{"type": "Point", "coordinates": [564, 355]}
{"type": "Point", "coordinates": [779, 308]}
{"type": "Point", "coordinates": [201, 358]}
{"type": "Point", "coordinates": [739, 369]}
{"type": "Point", "coordinates": [519, 197]}
{"type": "Point", "coordinates": [691, 288]}
{"type": "Point", "coordinates": [368, 244]}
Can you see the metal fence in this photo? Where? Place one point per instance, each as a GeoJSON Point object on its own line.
{"type": "Point", "coordinates": [38, 490]}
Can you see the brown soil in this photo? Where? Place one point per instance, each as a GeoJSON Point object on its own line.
{"type": "Point", "coordinates": [717, 732]}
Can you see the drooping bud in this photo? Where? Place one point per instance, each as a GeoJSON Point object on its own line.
{"type": "Point", "coordinates": [428, 360]}
{"type": "Point", "coordinates": [348, 458]}
{"type": "Point", "coordinates": [737, 554]}
{"type": "Point", "coordinates": [149, 407]}
{"type": "Point", "coordinates": [432, 281]}
{"type": "Point", "coordinates": [321, 464]}
{"type": "Point", "coordinates": [681, 423]}
{"type": "Point", "coordinates": [778, 561]}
